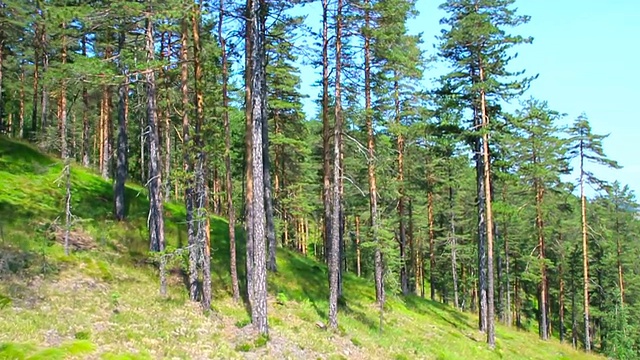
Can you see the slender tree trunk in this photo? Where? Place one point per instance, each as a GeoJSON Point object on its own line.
{"type": "Point", "coordinates": [121, 160]}
{"type": "Point", "coordinates": [491, 340]}
{"type": "Point", "coordinates": [334, 253]}
{"type": "Point", "coordinates": [373, 198]}
{"type": "Point", "coordinates": [454, 245]}
{"type": "Point", "coordinates": [166, 136]}
{"type": "Point", "coordinates": [106, 123]}
{"type": "Point", "coordinates": [482, 239]}
{"type": "Point", "coordinates": [248, 186]}
{"type": "Point", "coordinates": [402, 236]}
{"type": "Point", "coordinates": [326, 132]}
{"type": "Point", "coordinates": [36, 80]}
{"type": "Point", "coordinates": [542, 300]}
{"type": "Point", "coordinates": [45, 67]}
{"type": "Point", "coordinates": [156, 216]}
{"type": "Point", "coordinates": [187, 149]}
{"type": "Point", "coordinates": [227, 160]}
{"type": "Point", "coordinates": [21, 128]}
{"type": "Point", "coordinates": [574, 318]}
{"type": "Point", "coordinates": [619, 260]}
{"type": "Point", "coordinates": [86, 146]}
{"type": "Point", "coordinates": [259, 264]}
{"type": "Point", "coordinates": [561, 298]}
{"type": "Point", "coordinates": [505, 236]}
{"type": "Point", "coordinates": [585, 253]}
{"type": "Point", "coordinates": [201, 200]}
{"type": "Point", "coordinates": [358, 255]}
{"type": "Point", "coordinates": [64, 148]}
{"type": "Point", "coordinates": [432, 244]}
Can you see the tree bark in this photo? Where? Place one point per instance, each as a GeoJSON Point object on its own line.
{"type": "Point", "coordinates": [21, 126]}
{"type": "Point", "coordinates": [358, 255]}
{"type": "Point", "coordinates": [326, 132]}
{"type": "Point", "coordinates": [187, 149]}
{"type": "Point", "coordinates": [86, 146]}
{"type": "Point", "coordinates": [259, 264]}
{"type": "Point", "coordinates": [156, 216]}
{"type": "Point", "coordinates": [585, 252]}
{"type": "Point", "coordinates": [432, 248]}
{"type": "Point", "coordinates": [201, 200]}
{"type": "Point", "coordinates": [542, 300]}
{"type": "Point", "coordinates": [402, 236]}
{"type": "Point", "coordinates": [334, 253]}
{"type": "Point", "coordinates": [121, 160]}
{"type": "Point", "coordinates": [489, 215]}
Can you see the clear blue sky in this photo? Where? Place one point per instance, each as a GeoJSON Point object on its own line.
{"type": "Point", "coordinates": [587, 54]}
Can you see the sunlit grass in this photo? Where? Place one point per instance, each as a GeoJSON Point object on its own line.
{"type": "Point", "coordinates": [104, 302]}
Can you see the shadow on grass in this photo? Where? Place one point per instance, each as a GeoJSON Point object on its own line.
{"type": "Point", "coordinates": [434, 308]}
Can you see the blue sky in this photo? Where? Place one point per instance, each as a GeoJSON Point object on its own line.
{"type": "Point", "coordinates": [587, 54]}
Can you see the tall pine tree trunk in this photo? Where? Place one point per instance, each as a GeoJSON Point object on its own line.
{"type": "Point", "coordinates": [585, 253]}
{"type": "Point", "coordinates": [201, 200]}
{"type": "Point", "coordinates": [187, 159]}
{"type": "Point", "coordinates": [259, 255]}
{"type": "Point", "coordinates": [21, 127]}
{"type": "Point", "coordinates": [371, 170]}
{"type": "Point", "coordinates": [121, 159]}
{"type": "Point", "coordinates": [489, 216]}
{"type": "Point", "coordinates": [156, 216]}
{"type": "Point", "coordinates": [402, 235]}
{"type": "Point", "coordinates": [334, 253]}
{"type": "Point", "coordinates": [326, 132]}
{"type": "Point", "coordinates": [542, 300]}
{"type": "Point", "coordinates": [432, 245]}
{"type": "Point", "coordinates": [227, 160]}
{"type": "Point", "coordinates": [86, 146]}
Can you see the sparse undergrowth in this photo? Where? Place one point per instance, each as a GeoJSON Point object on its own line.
{"type": "Point", "coordinates": [103, 301]}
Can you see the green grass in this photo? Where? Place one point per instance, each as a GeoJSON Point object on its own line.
{"type": "Point", "coordinates": [103, 301]}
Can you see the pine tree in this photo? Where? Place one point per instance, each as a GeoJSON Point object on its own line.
{"type": "Point", "coordinates": [476, 45]}
{"type": "Point", "coordinates": [541, 159]}
{"type": "Point", "coordinates": [587, 147]}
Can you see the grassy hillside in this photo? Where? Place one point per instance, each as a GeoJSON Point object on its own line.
{"type": "Point", "coordinates": [102, 301]}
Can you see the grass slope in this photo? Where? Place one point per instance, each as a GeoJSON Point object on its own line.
{"type": "Point", "coordinates": [102, 301]}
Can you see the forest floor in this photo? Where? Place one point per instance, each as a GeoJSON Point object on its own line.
{"type": "Point", "coordinates": [102, 301]}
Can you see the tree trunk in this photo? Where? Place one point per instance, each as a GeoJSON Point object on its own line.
{"type": "Point", "coordinates": [106, 124]}
{"type": "Point", "coordinates": [358, 255]}
{"type": "Point", "coordinates": [248, 176]}
{"type": "Point", "coordinates": [334, 253]}
{"type": "Point", "coordinates": [402, 236]}
{"type": "Point", "coordinates": [619, 260]}
{"type": "Point", "coordinates": [201, 200]}
{"type": "Point", "coordinates": [561, 298]}
{"type": "Point", "coordinates": [542, 300]}
{"type": "Point", "coordinates": [156, 216]}
{"type": "Point", "coordinates": [482, 240]}
{"type": "Point", "coordinates": [36, 78]}
{"type": "Point", "coordinates": [85, 115]}
{"type": "Point", "coordinates": [121, 160]}
{"type": "Point", "coordinates": [64, 148]}
{"type": "Point", "coordinates": [227, 160]}
{"type": "Point", "coordinates": [585, 253]}
{"type": "Point", "coordinates": [454, 245]}
{"type": "Point", "coordinates": [491, 340]}
{"type": "Point", "coordinates": [326, 132]}
{"type": "Point", "coordinates": [432, 247]}
{"type": "Point", "coordinates": [259, 263]}
{"type": "Point", "coordinates": [187, 149]}
{"type": "Point", "coordinates": [21, 128]}
{"type": "Point", "coordinates": [505, 236]}
{"type": "Point", "coordinates": [45, 67]}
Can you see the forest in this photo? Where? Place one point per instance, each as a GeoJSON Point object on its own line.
{"type": "Point", "coordinates": [468, 191]}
